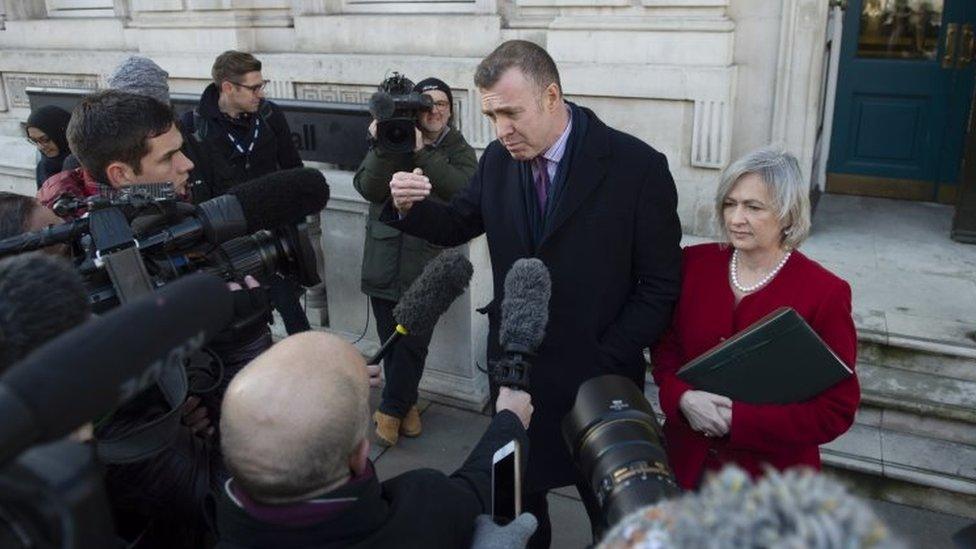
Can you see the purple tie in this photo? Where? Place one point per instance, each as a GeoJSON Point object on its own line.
{"type": "Point", "coordinates": [541, 181]}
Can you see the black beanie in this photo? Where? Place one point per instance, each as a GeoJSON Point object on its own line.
{"type": "Point", "coordinates": [53, 121]}
{"type": "Point", "coordinates": [428, 84]}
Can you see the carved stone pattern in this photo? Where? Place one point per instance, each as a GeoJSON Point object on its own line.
{"type": "Point", "coordinates": [475, 128]}
{"type": "Point", "coordinates": [280, 89]}
{"type": "Point", "coordinates": [16, 83]}
{"type": "Point", "coordinates": [710, 134]}
{"type": "Point", "coordinates": [334, 93]}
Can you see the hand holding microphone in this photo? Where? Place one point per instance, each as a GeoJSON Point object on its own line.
{"type": "Point", "coordinates": [525, 313]}
{"type": "Point", "coordinates": [442, 281]}
{"type": "Point", "coordinates": [515, 401]}
{"type": "Point", "coordinates": [407, 188]}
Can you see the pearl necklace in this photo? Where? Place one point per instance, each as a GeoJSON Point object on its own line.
{"type": "Point", "coordinates": [734, 268]}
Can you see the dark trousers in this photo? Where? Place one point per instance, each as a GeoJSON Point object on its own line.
{"type": "Point", "coordinates": [405, 363]}
{"type": "Point", "coordinates": [538, 504]}
{"type": "Point", "coordinates": [285, 295]}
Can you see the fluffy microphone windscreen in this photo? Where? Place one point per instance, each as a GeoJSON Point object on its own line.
{"type": "Point", "coordinates": [525, 307]}
{"type": "Point", "coordinates": [41, 296]}
{"type": "Point", "coordinates": [443, 280]}
{"type": "Point", "coordinates": [381, 105]}
{"type": "Point", "coordinates": [282, 197]}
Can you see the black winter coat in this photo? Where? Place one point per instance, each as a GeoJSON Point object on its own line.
{"type": "Point", "coordinates": [421, 508]}
{"type": "Point", "coordinates": [275, 150]}
{"type": "Point", "coordinates": [612, 248]}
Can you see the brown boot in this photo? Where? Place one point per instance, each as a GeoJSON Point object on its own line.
{"type": "Point", "coordinates": [387, 428]}
{"type": "Point", "coordinates": [410, 425]}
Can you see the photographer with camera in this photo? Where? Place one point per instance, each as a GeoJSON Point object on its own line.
{"type": "Point", "coordinates": [391, 259]}
{"type": "Point", "coordinates": [295, 428]}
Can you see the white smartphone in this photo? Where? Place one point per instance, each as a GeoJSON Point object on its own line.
{"type": "Point", "coordinates": [506, 483]}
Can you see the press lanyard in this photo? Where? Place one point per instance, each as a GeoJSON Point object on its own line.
{"type": "Point", "coordinates": [250, 148]}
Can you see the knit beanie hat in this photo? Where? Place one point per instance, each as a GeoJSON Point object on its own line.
{"type": "Point", "coordinates": [429, 84]}
{"type": "Point", "coordinates": [141, 76]}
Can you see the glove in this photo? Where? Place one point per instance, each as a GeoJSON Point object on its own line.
{"type": "Point", "coordinates": [516, 534]}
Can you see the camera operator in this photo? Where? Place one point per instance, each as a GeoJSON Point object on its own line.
{"type": "Point", "coordinates": [171, 460]}
{"type": "Point", "coordinates": [295, 438]}
{"type": "Point", "coordinates": [120, 139]}
{"type": "Point", "coordinates": [391, 259]}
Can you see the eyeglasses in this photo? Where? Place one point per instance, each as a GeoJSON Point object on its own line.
{"type": "Point", "coordinates": [41, 141]}
{"type": "Point", "coordinates": [442, 105]}
{"type": "Point", "coordinates": [255, 88]}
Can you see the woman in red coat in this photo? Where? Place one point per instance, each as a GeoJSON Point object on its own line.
{"type": "Point", "coordinates": [765, 214]}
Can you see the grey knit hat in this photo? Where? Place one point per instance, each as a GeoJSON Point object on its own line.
{"type": "Point", "coordinates": [141, 76]}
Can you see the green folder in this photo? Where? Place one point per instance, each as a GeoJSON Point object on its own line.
{"type": "Point", "coordinates": [777, 360]}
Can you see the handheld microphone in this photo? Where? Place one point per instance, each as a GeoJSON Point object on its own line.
{"type": "Point", "coordinates": [87, 372]}
{"type": "Point", "coordinates": [525, 313]}
{"type": "Point", "coordinates": [443, 280]}
{"type": "Point", "coordinates": [267, 202]}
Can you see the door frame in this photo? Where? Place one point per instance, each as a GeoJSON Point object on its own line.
{"type": "Point", "coordinates": [851, 184]}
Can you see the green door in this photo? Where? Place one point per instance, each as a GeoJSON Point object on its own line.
{"type": "Point", "coordinates": [905, 78]}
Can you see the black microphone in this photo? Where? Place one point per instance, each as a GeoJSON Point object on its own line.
{"type": "Point", "coordinates": [35, 240]}
{"type": "Point", "coordinates": [525, 314]}
{"type": "Point", "coordinates": [87, 372]}
{"type": "Point", "coordinates": [443, 280]}
{"type": "Point", "coordinates": [280, 198]}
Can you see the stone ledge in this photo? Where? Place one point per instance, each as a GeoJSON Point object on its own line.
{"type": "Point", "coordinates": [921, 393]}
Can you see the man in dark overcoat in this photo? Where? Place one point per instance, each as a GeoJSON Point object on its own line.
{"type": "Point", "coordinates": [597, 206]}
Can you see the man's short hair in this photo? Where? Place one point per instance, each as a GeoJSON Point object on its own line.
{"type": "Point", "coordinates": [532, 59]}
{"type": "Point", "coordinates": [40, 297]}
{"type": "Point", "coordinates": [233, 64]}
{"type": "Point", "coordinates": [114, 126]}
{"type": "Point", "coordinates": [15, 213]}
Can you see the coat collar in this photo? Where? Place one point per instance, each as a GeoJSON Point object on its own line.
{"type": "Point", "coordinates": [587, 167]}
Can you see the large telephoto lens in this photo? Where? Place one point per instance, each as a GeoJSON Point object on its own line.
{"type": "Point", "coordinates": [616, 443]}
{"type": "Point", "coordinates": [286, 250]}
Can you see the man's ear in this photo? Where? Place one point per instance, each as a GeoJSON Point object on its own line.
{"type": "Point", "coordinates": [226, 86]}
{"type": "Point", "coordinates": [552, 95]}
{"type": "Point", "coordinates": [359, 457]}
{"type": "Point", "coordinates": [119, 174]}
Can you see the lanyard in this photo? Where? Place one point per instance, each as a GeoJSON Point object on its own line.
{"type": "Point", "coordinates": [250, 148]}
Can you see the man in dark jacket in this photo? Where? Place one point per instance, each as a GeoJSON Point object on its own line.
{"type": "Point", "coordinates": [295, 436]}
{"type": "Point", "coordinates": [248, 137]}
{"type": "Point", "coordinates": [233, 114]}
{"type": "Point", "coordinates": [392, 260]}
{"type": "Point", "coordinates": [597, 206]}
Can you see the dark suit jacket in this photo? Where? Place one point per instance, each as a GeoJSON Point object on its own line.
{"type": "Point", "coordinates": [422, 508]}
{"type": "Point", "coordinates": [611, 246]}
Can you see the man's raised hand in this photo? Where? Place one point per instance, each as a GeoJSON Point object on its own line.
{"type": "Point", "coordinates": [408, 188]}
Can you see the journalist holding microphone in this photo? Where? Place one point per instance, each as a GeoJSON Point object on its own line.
{"type": "Point", "coordinates": [764, 210]}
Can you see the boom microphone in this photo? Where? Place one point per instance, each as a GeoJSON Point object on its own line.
{"type": "Point", "coordinates": [87, 372]}
{"type": "Point", "coordinates": [280, 198]}
{"type": "Point", "coordinates": [525, 313]}
{"type": "Point", "coordinates": [443, 280]}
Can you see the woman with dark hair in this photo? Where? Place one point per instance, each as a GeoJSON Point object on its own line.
{"type": "Point", "coordinates": [20, 214]}
{"type": "Point", "coordinates": [45, 129]}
